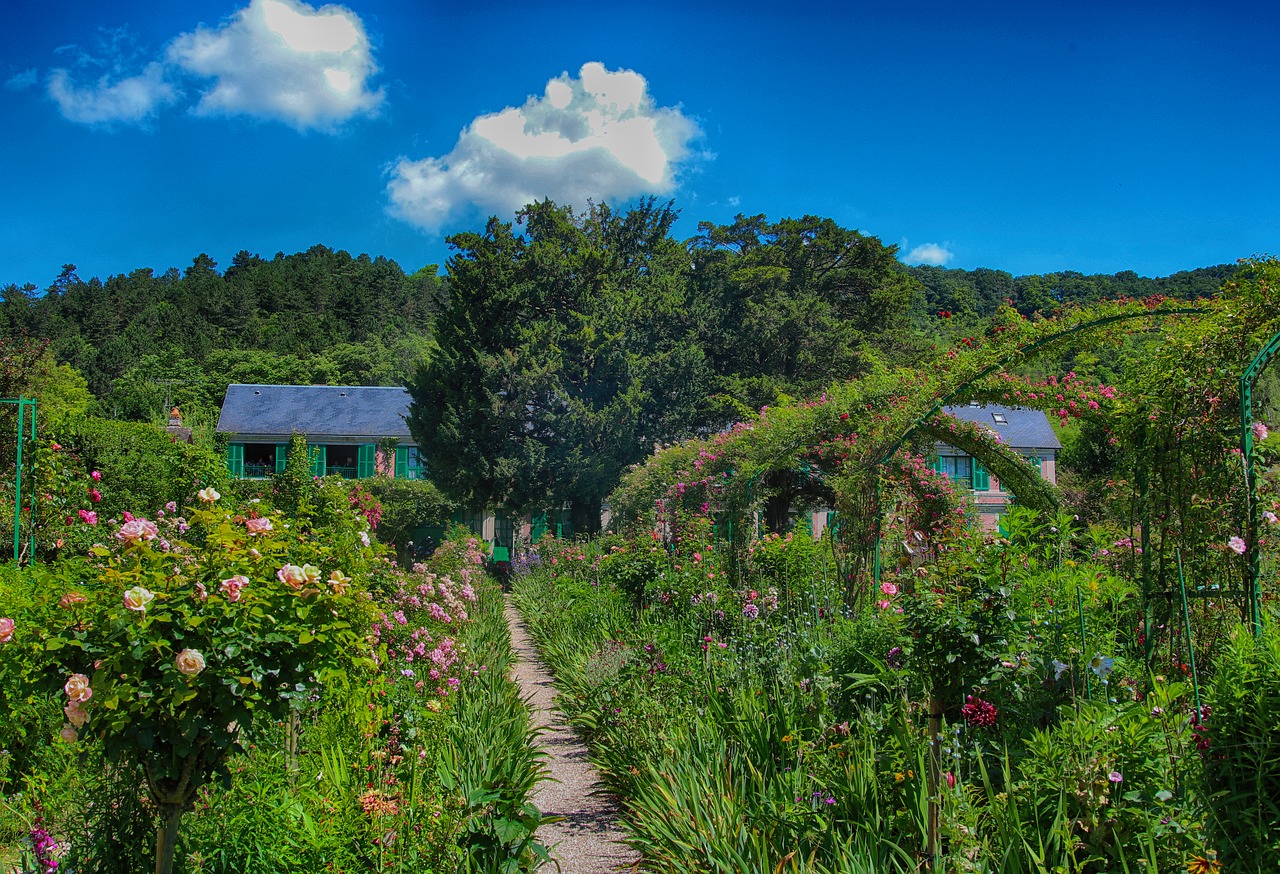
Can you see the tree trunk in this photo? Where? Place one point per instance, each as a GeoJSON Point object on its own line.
{"type": "Point", "coordinates": [167, 837]}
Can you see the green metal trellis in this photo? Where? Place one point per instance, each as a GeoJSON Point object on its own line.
{"type": "Point", "coordinates": [1020, 353]}
{"type": "Point", "coordinates": [1253, 558]}
{"type": "Point", "coordinates": [22, 404]}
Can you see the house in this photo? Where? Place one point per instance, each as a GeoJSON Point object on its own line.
{"type": "Point", "coordinates": [355, 431]}
{"type": "Point", "coordinates": [1025, 431]}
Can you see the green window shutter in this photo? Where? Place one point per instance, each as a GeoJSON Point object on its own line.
{"type": "Point", "coordinates": [366, 460]}
{"type": "Point", "coordinates": [318, 459]}
{"type": "Point", "coordinates": [282, 456]}
{"type": "Point", "coordinates": [1038, 462]}
{"type": "Point", "coordinates": [937, 465]}
{"type": "Point", "coordinates": [538, 527]}
{"type": "Point", "coordinates": [981, 479]}
{"type": "Point", "coordinates": [402, 462]}
{"type": "Point", "coordinates": [235, 459]}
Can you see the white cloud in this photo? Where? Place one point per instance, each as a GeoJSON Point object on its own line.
{"type": "Point", "coordinates": [129, 99]}
{"type": "Point", "coordinates": [597, 137]}
{"type": "Point", "coordinates": [929, 253]}
{"type": "Point", "coordinates": [283, 60]}
{"type": "Point", "coordinates": [274, 59]}
{"type": "Point", "coordinates": [21, 81]}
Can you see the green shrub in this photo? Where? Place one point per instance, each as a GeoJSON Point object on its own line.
{"type": "Point", "coordinates": [1241, 752]}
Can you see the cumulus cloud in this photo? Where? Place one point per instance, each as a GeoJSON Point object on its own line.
{"type": "Point", "coordinates": [131, 99]}
{"type": "Point", "coordinates": [598, 136]}
{"type": "Point", "coordinates": [275, 59]}
{"type": "Point", "coordinates": [929, 253]}
{"type": "Point", "coordinates": [21, 81]}
{"type": "Point", "coordinates": [284, 60]}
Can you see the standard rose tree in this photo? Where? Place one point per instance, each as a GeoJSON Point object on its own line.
{"type": "Point", "coordinates": [175, 642]}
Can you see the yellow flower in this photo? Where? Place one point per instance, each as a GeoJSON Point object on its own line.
{"type": "Point", "coordinates": [1202, 865]}
{"type": "Point", "coordinates": [898, 777]}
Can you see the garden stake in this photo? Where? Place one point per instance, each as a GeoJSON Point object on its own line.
{"type": "Point", "coordinates": [934, 772]}
{"type": "Point", "coordinates": [1186, 621]}
{"type": "Point", "coordinates": [1083, 644]}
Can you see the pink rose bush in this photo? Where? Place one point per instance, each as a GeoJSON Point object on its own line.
{"type": "Point", "coordinates": [180, 635]}
{"type": "Point", "coordinates": [6, 629]}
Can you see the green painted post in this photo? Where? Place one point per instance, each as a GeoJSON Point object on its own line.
{"type": "Point", "coordinates": [1144, 521]}
{"type": "Point", "coordinates": [1186, 623]}
{"type": "Point", "coordinates": [31, 500]}
{"type": "Point", "coordinates": [1083, 646]}
{"type": "Point", "coordinates": [17, 488]}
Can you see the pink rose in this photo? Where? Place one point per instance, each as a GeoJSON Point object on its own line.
{"type": "Point", "coordinates": [136, 531]}
{"type": "Point", "coordinates": [96, 476]}
{"type": "Point", "coordinates": [292, 576]}
{"type": "Point", "coordinates": [75, 715]}
{"type": "Point", "coordinates": [138, 598]}
{"type": "Point", "coordinates": [888, 588]}
{"type": "Point", "coordinates": [231, 587]}
{"type": "Point", "coordinates": [201, 592]}
{"type": "Point", "coordinates": [6, 629]}
{"type": "Point", "coordinates": [1237, 545]}
{"type": "Point", "coordinates": [89, 517]}
{"type": "Point", "coordinates": [1259, 431]}
{"type": "Point", "coordinates": [258, 525]}
{"type": "Point", "coordinates": [189, 662]}
{"type": "Point", "coordinates": [77, 688]}
{"type": "Point", "coordinates": [68, 734]}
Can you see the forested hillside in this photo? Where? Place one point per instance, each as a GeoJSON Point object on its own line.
{"type": "Point", "coordinates": [319, 316]}
{"type": "Point", "coordinates": [728, 320]}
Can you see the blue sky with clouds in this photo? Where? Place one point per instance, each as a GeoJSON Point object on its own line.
{"type": "Point", "coordinates": [1023, 136]}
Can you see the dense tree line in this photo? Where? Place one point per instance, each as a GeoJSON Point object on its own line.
{"type": "Point", "coordinates": [319, 316]}
{"type": "Point", "coordinates": [558, 350]}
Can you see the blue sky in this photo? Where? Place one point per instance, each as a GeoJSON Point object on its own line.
{"type": "Point", "coordinates": [1026, 136]}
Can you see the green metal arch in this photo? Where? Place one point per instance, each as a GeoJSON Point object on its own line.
{"type": "Point", "coordinates": [1024, 352]}
{"type": "Point", "coordinates": [1253, 563]}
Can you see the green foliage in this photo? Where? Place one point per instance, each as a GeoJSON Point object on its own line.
{"type": "Point", "coordinates": [1241, 751]}
{"type": "Point", "coordinates": [141, 465]}
{"type": "Point", "coordinates": [408, 506]}
{"type": "Point", "coordinates": [563, 354]}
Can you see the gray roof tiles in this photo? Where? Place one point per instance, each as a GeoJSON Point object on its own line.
{"type": "Point", "coordinates": [1022, 429]}
{"type": "Point", "coordinates": [333, 411]}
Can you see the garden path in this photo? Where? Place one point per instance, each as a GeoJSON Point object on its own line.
{"type": "Point", "coordinates": [587, 840]}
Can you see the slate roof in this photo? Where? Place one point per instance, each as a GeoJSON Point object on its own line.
{"type": "Point", "coordinates": [333, 411]}
{"type": "Point", "coordinates": [1023, 428]}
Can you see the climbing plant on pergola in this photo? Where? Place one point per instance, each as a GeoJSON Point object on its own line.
{"type": "Point", "coordinates": [842, 450]}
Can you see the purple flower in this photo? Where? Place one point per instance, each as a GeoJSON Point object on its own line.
{"type": "Point", "coordinates": [1115, 777]}
{"type": "Point", "coordinates": [894, 658]}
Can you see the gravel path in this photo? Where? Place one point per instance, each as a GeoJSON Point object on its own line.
{"type": "Point", "coordinates": [588, 840]}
